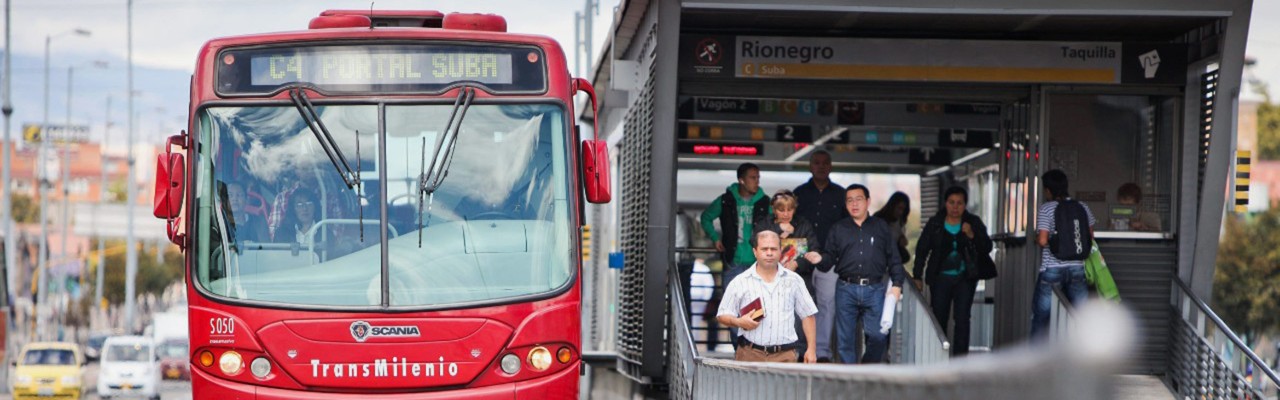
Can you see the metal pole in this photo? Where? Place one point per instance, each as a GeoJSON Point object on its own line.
{"type": "Point", "coordinates": [42, 268]}
{"type": "Point", "coordinates": [577, 44]}
{"type": "Point", "coordinates": [66, 176]}
{"type": "Point", "coordinates": [10, 237]}
{"type": "Point", "coordinates": [102, 198]}
{"type": "Point", "coordinates": [131, 251]}
{"type": "Point", "coordinates": [10, 242]}
{"type": "Point", "coordinates": [592, 7]}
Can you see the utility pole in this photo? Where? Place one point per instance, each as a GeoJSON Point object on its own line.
{"type": "Point", "coordinates": [131, 250]}
{"type": "Point", "coordinates": [66, 176]}
{"type": "Point", "coordinates": [582, 27]}
{"type": "Point", "coordinates": [10, 242]}
{"type": "Point", "coordinates": [102, 198]}
{"type": "Point", "coordinates": [42, 257]}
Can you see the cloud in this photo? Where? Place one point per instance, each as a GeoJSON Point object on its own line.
{"type": "Point", "coordinates": [169, 33]}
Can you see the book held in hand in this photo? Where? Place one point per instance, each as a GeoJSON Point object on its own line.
{"type": "Point", "coordinates": [793, 248]}
{"type": "Point", "coordinates": [753, 310]}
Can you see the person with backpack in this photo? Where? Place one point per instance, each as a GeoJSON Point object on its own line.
{"type": "Point", "coordinates": [1066, 239]}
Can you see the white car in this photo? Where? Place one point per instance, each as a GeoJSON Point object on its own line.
{"type": "Point", "coordinates": [129, 367]}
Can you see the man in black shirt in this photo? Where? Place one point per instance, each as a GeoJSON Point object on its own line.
{"type": "Point", "coordinates": [821, 201]}
{"type": "Point", "coordinates": [862, 253]}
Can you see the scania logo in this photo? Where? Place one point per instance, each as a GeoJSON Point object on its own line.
{"type": "Point", "coordinates": [361, 330]}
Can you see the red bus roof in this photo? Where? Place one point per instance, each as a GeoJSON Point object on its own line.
{"type": "Point", "coordinates": [203, 80]}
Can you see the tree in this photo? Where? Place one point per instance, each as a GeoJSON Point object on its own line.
{"type": "Point", "coordinates": [1268, 131]}
{"type": "Point", "coordinates": [152, 277]}
{"type": "Point", "coordinates": [1246, 282]}
{"type": "Point", "coordinates": [25, 210]}
{"type": "Point", "coordinates": [117, 191]}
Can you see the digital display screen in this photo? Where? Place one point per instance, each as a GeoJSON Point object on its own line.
{"type": "Point", "coordinates": [381, 68]}
{"type": "Point", "coordinates": [709, 148]}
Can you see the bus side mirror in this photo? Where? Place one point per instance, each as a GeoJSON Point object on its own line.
{"type": "Point", "coordinates": [595, 153]}
{"type": "Point", "coordinates": [595, 171]}
{"type": "Point", "coordinates": [171, 186]}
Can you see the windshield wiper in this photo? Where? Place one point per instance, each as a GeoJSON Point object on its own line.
{"type": "Point", "coordinates": [431, 179]}
{"type": "Point", "coordinates": [309, 115]}
{"type": "Point", "coordinates": [349, 177]}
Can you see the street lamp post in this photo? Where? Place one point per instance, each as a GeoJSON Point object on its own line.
{"type": "Point", "coordinates": [42, 282]}
{"type": "Point", "coordinates": [66, 161]}
{"type": "Point", "coordinates": [102, 198]}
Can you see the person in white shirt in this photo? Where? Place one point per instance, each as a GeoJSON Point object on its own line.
{"type": "Point", "coordinates": [782, 295]}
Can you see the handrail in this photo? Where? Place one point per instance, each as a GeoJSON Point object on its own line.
{"type": "Point", "coordinates": [1061, 314]}
{"type": "Point", "coordinates": [681, 310]}
{"type": "Point", "coordinates": [1222, 327]}
{"type": "Point", "coordinates": [937, 326]}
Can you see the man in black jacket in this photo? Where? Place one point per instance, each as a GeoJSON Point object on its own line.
{"type": "Point", "coordinates": [861, 251]}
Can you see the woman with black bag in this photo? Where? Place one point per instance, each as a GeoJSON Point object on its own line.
{"type": "Point", "coordinates": [955, 249]}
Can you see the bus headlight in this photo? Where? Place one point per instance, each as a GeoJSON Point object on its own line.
{"type": "Point", "coordinates": [70, 380]}
{"type": "Point", "coordinates": [230, 363]}
{"type": "Point", "coordinates": [260, 367]}
{"type": "Point", "coordinates": [540, 358]}
{"type": "Point", "coordinates": [510, 364]}
{"type": "Point", "coordinates": [24, 379]}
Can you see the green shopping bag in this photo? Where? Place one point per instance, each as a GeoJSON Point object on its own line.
{"type": "Point", "coordinates": [1099, 276]}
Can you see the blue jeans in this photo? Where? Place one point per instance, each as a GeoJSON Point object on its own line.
{"type": "Point", "coordinates": [1071, 279]}
{"type": "Point", "coordinates": [865, 303]}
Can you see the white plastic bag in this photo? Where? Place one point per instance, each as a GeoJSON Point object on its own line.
{"type": "Point", "coordinates": [890, 307]}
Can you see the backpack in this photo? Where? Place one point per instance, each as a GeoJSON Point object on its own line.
{"type": "Point", "coordinates": [1071, 240]}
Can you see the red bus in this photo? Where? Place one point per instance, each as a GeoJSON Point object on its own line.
{"type": "Point", "coordinates": [388, 203]}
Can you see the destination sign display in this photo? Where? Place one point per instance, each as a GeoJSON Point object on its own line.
{"type": "Point", "coordinates": [940, 60]}
{"type": "Point", "coordinates": [381, 68]}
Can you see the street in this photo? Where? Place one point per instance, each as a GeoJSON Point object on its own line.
{"type": "Point", "coordinates": [169, 389]}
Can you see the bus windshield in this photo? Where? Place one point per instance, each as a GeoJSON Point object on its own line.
{"type": "Point", "coordinates": [276, 223]}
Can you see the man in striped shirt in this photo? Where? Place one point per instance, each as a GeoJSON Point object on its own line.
{"type": "Point", "coordinates": [782, 296]}
{"type": "Point", "coordinates": [1067, 274]}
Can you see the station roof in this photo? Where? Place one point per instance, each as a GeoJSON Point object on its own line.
{"type": "Point", "coordinates": [1019, 26]}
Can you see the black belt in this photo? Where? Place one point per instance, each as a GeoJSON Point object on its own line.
{"type": "Point", "coordinates": [742, 341]}
{"type": "Point", "coordinates": [862, 281]}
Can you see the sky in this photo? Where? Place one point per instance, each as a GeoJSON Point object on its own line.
{"type": "Point", "coordinates": [168, 34]}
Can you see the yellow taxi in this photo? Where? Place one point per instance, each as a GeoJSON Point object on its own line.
{"type": "Point", "coordinates": [48, 370]}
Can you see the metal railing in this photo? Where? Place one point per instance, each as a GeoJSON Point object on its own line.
{"type": "Point", "coordinates": [917, 337]}
{"type": "Point", "coordinates": [1060, 318]}
{"type": "Point", "coordinates": [1060, 372]}
{"type": "Point", "coordinates": [1208, 359]}
{"type": "Point", "coordinates": [682, 354]}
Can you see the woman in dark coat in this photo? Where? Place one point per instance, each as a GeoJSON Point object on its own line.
{"type": "Point", "coordinates": [798, 242]}
{"type": "Point", "coordinates": [940, 260]}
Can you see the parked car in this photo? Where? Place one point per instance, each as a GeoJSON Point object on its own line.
{"type": "Point", "coordinates": [47, 369]}
{"type": "Point", "coordinates": [175, 359]}
{"type": "Point", "coordinates": [129, 367]}
{"type": "Point", "coordinates": [93, 349]}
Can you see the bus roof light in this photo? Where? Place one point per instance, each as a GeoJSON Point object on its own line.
{"type": "Point", "coordinates": [339, 21]}
{"type": "Point", "coordinates": [475, 22]}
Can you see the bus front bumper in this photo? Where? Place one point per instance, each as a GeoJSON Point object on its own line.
{"type": "Point", "coordinates": [561, 385]}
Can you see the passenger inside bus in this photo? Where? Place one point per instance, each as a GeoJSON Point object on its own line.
{"type": "Point", "coordinates": [245, 225]}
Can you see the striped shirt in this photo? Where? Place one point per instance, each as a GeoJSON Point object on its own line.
{"type": "Point", "coordinates": [1046, 222]}
{"type": "Point", "coordinates": [782, 301]}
